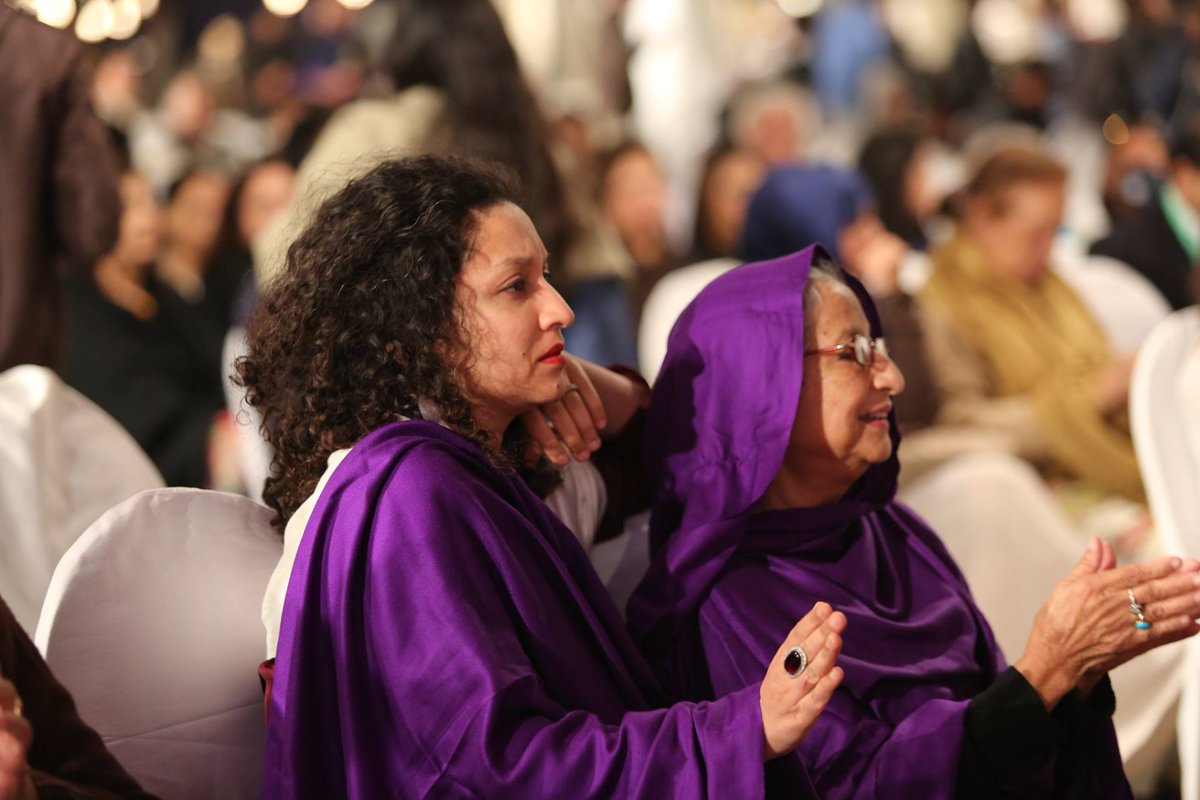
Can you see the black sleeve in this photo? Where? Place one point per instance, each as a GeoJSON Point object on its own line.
{"type": "Point", "coordinates": [619, 461]}
{"type": "Point", "coordinates": [1009, 734]}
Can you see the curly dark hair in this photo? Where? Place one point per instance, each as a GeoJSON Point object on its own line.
{"type": "Point", "coordinates": [363, 322]}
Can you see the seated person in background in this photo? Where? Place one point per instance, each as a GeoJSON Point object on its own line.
{"type": "Point", "coordinates": [46, 750]}
{"type": "Point", "coordinates": [443, 632]}
{"type": "Point", "coordinates": [1015, 353]}
{"type": "Point", "coordinates": [134, 352]}
{"type": "Point", "coordinates": [896, 163]}
{"type": "Point", "coordinates": [1161, 238]}
{"type": "Point", "coordinates": [783, 492]}
{"type": "Point", "coordinates": [259, 197]}
{"type": "Point", "coordinates": [205, 287]}
{"type": "Point", "coordinates": [729, 179]}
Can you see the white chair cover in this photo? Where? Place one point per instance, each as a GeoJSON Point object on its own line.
{"type": "Point", "coordinates": [63, 463]}
{"type": "Point", "coordinates": [1013, 544]}
{"type": "Point", "coordinates": [254, 454]}
{"type": "Point", "coordinates": [1163, 404]}
{"type": "Point", "coordinates": [152, 622]}
{"type": "Point", "coordinates": [1126, 305]}
{"type": "Point", "coordinates": [622, 562]}
{"type": "Point", "coordinates": [666, 301]}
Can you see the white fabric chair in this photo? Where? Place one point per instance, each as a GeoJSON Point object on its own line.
{"type": "Point", "coordinates": [63, 463]}
{"type": "Point", "coordinates": [622, 561]}
{"type": "Point", "coordinates": [152, 622]}
{"type": "Point", "coordinates": [1164, 425]}
{"type": "Point", "coordinates": [1126, 305]}
{"type": "Point", "coordinates": [666, 301]}
{"type": "Point", "coordinates": [1013, 544]}
{"type": "Point", "coordinates": [254, 454]}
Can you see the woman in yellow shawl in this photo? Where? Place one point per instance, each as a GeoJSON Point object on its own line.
{"type": "Point", "coordinates": [1012, 347]}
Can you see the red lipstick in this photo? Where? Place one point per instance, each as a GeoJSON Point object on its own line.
{"type": "Point", "coordinates": [554, 355]}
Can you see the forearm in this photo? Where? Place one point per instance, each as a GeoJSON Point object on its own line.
{"type": "Point", "coordinates": [622, 396]}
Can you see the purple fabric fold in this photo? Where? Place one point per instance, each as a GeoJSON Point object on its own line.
{"type": "Point", "coordinates": [726, 584]}
{"type": "Point", "coordinates": [445, 635]}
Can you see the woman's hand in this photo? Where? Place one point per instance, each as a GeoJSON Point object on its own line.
{"type": "Point", "coordinates": [15, 737]}
{"type": "Point", "coordinates": [790, 705]}
{"type": "Point", "coordinates": [571, 425]}
{"type": "Point", "coordinates": [1086, 629]}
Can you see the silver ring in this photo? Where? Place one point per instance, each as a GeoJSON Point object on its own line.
{"type": "Point", "coordinates": [1138, 610]}
{"type": "Point", "coordinates": [795, 662]}
{"type": "Point", "coordinates": [571, 387]}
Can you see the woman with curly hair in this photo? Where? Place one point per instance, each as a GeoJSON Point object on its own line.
{"type": "Point", "coordinates": [443, 633]}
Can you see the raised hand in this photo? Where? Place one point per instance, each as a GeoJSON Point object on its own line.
{"type": "Point", "coordinates": [571, 425]}
{"type": "Point", "coordinates": [1086, 627]}
{"type": "Point", "coordinates": [792, 699]}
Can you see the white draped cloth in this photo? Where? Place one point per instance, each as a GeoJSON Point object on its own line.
{"type": "Point", "coordinates": [63, 463]}
{"type": "Point", "coordinates": [1010, 538]}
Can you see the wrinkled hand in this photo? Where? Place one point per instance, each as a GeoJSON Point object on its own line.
{"type": "Point", "coordinates": [571, 425]}
{"type": "Point", "coordinates": [790, 705]}
{"type": "Point", "coordinates": [1085, 628]}
{"type": "Point", "coordinates": [15, 737]}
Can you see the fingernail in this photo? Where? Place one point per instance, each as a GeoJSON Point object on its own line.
{"type": "Point", "coordinates": [1176, 563]}
{"type": "Point", "coordinates": [594, 444]}
{"type": "Point", "coordinates": [559, 458]}
{"type": "Point", "coordinates": [601, 423]}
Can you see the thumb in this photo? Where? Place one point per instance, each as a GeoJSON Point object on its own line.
{"type": "Point", "coordinates": [1090, 561]}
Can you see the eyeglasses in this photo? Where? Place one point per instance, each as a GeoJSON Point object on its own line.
{"type": "Point", "coordinates": [864, 349]}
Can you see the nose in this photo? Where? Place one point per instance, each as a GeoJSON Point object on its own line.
{"type": "Point", "coordinates": [555, 313]}
{"type": "Point", "coordinates": [888, 376]}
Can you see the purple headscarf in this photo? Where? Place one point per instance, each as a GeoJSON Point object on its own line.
{"type": "Point", "coordinates": [726, 584]}
{"type": "Point", "coordinates": [445, 635]}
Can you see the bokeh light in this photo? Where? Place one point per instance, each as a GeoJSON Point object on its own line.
{"type": "Point", "coordinates": [285, 8]}
{"type": "Point", "coordinates": [95, 21]}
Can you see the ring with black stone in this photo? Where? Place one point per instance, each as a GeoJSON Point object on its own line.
{"type": "Point", "coordinates": [795, 662]}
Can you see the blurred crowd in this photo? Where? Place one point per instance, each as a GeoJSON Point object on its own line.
{"type": "Point", "coordinates": [1015, 182]}
{"type": "Point", "coordinates": [972, 163]}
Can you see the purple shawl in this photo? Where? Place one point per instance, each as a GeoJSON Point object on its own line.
{"type": "Point", "coordinates": [444, 634]}
{"type": "Point", "coordinates": [726, 584]}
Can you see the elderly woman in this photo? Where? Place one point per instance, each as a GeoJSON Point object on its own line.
{"type": "Point", "coordinates": [1013, 349]}
{"type": "Point", "coordinates": [443, 633]}
{"type": "Point", "coordinates": [773, 436]}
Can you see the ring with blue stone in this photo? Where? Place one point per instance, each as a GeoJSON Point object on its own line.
{"type": "Point", "coordinates": [1138, 610]}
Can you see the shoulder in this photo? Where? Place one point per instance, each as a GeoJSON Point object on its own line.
{"type": "Point", "coordinates": [415, 451]}
{"type": "Point", "coordinates": [418, 470]}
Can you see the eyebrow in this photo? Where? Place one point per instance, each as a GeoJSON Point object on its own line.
{"type": "Point", "coordinates": [850, 332]}
{"type": "Point", "coordinates": [521, 261]}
